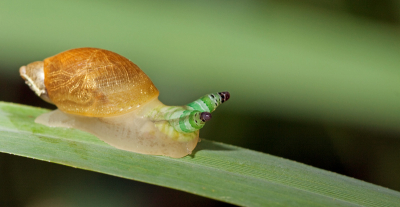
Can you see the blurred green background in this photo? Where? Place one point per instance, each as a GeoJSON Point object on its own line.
{"type": "Point", "coordinates": [312, 81]}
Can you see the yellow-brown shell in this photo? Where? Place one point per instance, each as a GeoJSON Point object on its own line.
{"type": "Point", "coordinates": [96, 82]}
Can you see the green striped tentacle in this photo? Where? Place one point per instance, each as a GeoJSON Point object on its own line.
{"type": "Point", "coordinates": [189, 118]}
{"type": "Point", "coordinates": [196, 113]}
{"type": "Point", "coordinates": [209, 102]}
{"type": "Point", "coordinates": [181, 119]}
{"type": "Point", "coordinates": [189, 121]}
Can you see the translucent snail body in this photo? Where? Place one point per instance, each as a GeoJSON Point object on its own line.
{"type": "Point", "coordinates": [105, 94]}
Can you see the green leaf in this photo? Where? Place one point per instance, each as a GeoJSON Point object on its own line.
{"type": "Point", "coordinates": [215, 170]}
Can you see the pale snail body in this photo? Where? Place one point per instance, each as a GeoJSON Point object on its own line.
{"type": "Point", "coordinates": [105, 94]}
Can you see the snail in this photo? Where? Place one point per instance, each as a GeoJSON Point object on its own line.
{"type": "Point", "coordinates": [105, 94]}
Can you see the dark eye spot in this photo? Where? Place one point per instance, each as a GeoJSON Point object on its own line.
{"type": "Point", "coordinates": [205, 116]}
{"type": "Point", "coordinates": [225, 96]}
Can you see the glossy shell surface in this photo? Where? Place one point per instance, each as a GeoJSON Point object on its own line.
{"type": "Point", "coordinates": [97, 83]}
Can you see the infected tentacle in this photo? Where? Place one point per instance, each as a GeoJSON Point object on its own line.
{"type": "Point", "coordinates": [189, 118]}
{"type": "Point", "coordinates": [190, 121]}
{"type": "Point", "coordinates": [209, 102]}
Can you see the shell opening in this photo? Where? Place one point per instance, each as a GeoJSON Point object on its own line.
{"type": "Point", "coordinates": [33, 74]}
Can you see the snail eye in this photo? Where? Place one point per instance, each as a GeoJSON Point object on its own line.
{"type": "Point", "coordinates": [205, 116]}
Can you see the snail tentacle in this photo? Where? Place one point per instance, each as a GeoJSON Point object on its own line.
{"type": "Point", "coordinates": [189, 118]}
{"type": "Point", "coordinates": [209, 102]}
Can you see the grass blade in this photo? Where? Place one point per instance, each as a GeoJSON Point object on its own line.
{"type": "Point", "coordinates": [215, 170]}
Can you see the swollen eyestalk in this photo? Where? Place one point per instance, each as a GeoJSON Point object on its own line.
{"type": "Point", "coordinates": [192, 117]}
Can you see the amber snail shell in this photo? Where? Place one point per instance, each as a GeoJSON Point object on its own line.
{"type": "Point", "coordinates": [95, 82]}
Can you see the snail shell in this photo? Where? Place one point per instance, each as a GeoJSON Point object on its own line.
{"type": "Point", "coordinates": [104, 93]}
{"type": "Point", "coordinates": [95, 82]}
